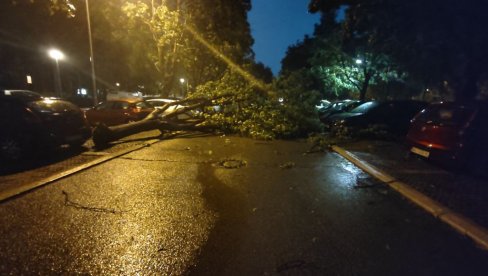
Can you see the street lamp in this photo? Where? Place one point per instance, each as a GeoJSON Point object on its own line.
{"type": "Point", "coordinates": [359, 61]}
{"type": "Point", "coordinates": [57, 55]}
{"type": "Point", "coordinates": [92, 59]}
{"type": "Point", "coordinates": [183, 81]}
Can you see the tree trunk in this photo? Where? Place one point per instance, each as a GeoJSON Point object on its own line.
{"type": "Point", "coordinates": [364, 87]}
{"type": "Point", "coordinates": [103, 135]}
{"type": "Point", "coordinates": [158, 119]}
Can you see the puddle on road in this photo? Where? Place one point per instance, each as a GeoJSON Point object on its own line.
{"type": "Point", "coordinates": [350, 167]}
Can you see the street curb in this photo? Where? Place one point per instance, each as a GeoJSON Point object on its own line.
{"type": "Point", "coordinates": [9, 193]}
{"type": "Point", "coordinates": [457, 221]}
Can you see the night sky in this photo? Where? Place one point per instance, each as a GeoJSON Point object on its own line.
{"type": "Point", "coordinates": [277, 24]}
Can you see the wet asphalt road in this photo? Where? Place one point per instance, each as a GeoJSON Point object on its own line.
{"type": "Point", "coordinates": [226, 206]}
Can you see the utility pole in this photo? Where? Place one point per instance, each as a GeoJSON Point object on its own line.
{"type": "Point", "coordinates": [92, 59]}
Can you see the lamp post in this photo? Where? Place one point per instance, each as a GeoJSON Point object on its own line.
{"type": "Point", "coordinates": [183, 92]}
{"type": "Point", "coordinates": [57, 55]}
{"type": "Point", "coordinates": [92, 59]}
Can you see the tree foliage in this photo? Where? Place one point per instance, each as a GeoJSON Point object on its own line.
{"type": "Point", "coordinates": [342, 69]}
{"type": "Point", "coordinates": [208, 43]}
{"type": "Point", "coordinates": [177, 53]}
{"type": "Point", "coordinates": [437, 42]}
{"type": "Point", "coordinates": [283, 110]}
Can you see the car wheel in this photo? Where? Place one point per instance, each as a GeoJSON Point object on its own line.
{"type": "Point", "coordinates": [11, 148]}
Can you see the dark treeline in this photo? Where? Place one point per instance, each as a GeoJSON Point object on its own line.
{"type": "Point", "coordinates": [395, 49]}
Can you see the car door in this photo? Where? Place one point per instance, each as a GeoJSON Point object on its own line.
{"type": "Point", "coordinates": [121, 112]}
{"type": "Point", "coordinates": [143, 109]}
{"type": "Point", "coordinates": [102, 113]}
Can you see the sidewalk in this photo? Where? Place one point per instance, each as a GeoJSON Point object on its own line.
{"type": "Point", "coordinates": [461, 193]}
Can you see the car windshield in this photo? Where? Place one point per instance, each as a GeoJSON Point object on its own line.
{"type": "Point", "coordinates": [52, 106]}
{"type": "Point", "coordinates": [446, 114]}
{"type": "Point", "coordinates": [365, 107]}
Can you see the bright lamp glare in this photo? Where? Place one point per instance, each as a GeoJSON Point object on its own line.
{"type": "Point", "coordinates": [56, 54]}
{"type": "Point", "coordinates": [359, 61]}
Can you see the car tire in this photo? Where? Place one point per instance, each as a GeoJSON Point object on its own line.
{"type": "Point", "coordinates": [12, 148]}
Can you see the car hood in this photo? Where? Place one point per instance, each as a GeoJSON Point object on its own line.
{"type": "Point", "coordinates": [50, 106]}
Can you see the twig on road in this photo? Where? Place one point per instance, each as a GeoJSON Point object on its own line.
{"type": "Point", "coordinates": [68, 202]}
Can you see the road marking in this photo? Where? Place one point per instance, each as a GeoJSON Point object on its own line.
{"type": "Point", "coordinates": [457, 221]}
{"type": "Point", "coordinates": [16, 191]}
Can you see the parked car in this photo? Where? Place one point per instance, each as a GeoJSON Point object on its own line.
{"type": "Point", "coordinates": [29, 123]}
{"type": "Point", "coordinates": [392, 116]}
{"type": "Point", "coordinates": [451, 133]}
{"type": "Point", "coordinates": [116, 112]}
{"type": "Point", "coordinates": [322, 104]}
{"type": "Point", "coordinates": [336, 108]}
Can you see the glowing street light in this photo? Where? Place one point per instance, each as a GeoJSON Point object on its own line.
{"type": "Point", "coordinates": [57, 55]}
{"type": "Point", "coordinates": [183, 81]}
{"type": "Point", "coordinates": [359, 61]}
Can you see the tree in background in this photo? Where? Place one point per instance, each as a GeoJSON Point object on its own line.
{"type": "Point", "coordinates": [183, 31]}
{"type": "Point", "coordinates": [439, 43]}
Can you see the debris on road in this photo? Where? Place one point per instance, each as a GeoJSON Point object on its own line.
{"type": "Point", "coordinates": [231, 163]}
{"type": "Point", "coordinates": [68, 202]}
{"type": "Point", "coordinates": [287, 165]}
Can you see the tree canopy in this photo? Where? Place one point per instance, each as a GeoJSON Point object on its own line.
{"type": "Point", "coordinates": [439, 43]}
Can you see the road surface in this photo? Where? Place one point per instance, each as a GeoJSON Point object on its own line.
{"type": "Point", "coordinates": [215, 205]}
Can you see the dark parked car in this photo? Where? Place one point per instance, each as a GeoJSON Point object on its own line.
{"type": "Point", "coordinates": [116, 112]}
{"type": "Point", "coordinates": [392, 116]}
{"type": "Point", "coordinates": [336, 108]}
{"type": "Point", "coordinates": [452, 133]}
{"type": "Point", "coordinates": [30, 122]}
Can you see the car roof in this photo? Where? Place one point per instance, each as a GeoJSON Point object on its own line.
{"type": "Point", "coordinates": [25, 95]}
{"type": "Point", "coordinates": [125, 100]}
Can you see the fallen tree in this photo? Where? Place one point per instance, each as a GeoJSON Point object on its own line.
{"type": "Point", "coordinates": [158, 119]}
{"type": "Point", "coordinates": [284, 110]}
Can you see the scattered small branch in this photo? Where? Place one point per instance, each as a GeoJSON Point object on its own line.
{"type": "Point", "coordinates": [287, 165]}
{"type": "Point", "coordinates": [68, 202]}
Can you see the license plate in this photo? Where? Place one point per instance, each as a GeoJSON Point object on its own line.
{"type": "Point", "coordinates": [420, 152]}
